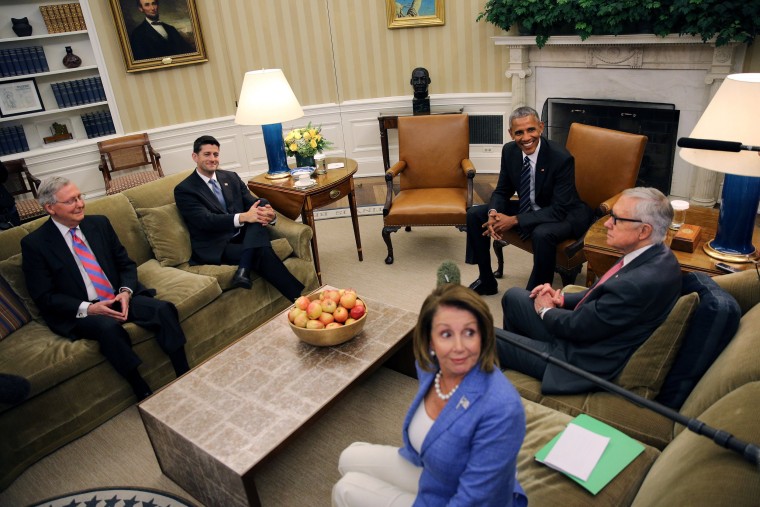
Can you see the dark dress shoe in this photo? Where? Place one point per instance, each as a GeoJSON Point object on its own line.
{"type": "Point", "coordinates": [241, 279]}
{"type": "Point", "coordinates": [484, 290]}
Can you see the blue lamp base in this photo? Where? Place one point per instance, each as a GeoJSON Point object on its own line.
{"type": "Point", "coordinates": [275, 147]}
{"type": "Point", "coordinates": [736, 222]}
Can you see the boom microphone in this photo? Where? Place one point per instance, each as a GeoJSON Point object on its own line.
{"type": "Point", "coordinates": [448, 272]}
{"type": "Point", "coordinates": [714, 145]}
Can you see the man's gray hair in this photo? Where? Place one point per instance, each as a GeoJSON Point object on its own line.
{"type": "Point", "coordinates": [50, 187]}
{"type": "Point", "coordinates": [653, 208]}
{"type": "Point", "coordinates": [522, 112]}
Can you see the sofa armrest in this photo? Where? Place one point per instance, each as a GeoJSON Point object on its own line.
{"type": "Point", "coordinates": [298, 235]}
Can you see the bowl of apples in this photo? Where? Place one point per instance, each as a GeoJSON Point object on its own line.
{"type": "Point", "coordinates": [329, 317]}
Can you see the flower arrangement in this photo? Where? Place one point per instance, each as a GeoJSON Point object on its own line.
{"type": "Point", "coordinates": [305, 142]}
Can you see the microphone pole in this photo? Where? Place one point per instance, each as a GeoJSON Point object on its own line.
{"type": "Point", "coordinates": [749, 451]}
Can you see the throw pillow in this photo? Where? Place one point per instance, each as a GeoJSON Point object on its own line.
{"type": "Point", "coordinates": [167, 234]}
{"type": "Point", "coordinates": [13, 314]}
{"type": "Point", "coordinates": [646, 369]}
{"type": "Point", "coordinates": [714, 323]}
{"type": "Point", "coordinates": [10, 270]}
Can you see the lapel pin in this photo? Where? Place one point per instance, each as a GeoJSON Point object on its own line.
{"type": "Point", "coordinates": [463, 402]}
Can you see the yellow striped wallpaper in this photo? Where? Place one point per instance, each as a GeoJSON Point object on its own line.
{"type": "Point", "coordinates": [304, 39]}
{"type": "Point", "coordinates": [331, 51]}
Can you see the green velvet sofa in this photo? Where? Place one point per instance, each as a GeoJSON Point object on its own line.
{"type": "Point", "coordinates": [73, 388]}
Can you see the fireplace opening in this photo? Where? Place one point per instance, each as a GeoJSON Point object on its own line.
{"type": "Point", "coordinates": [657, 121]}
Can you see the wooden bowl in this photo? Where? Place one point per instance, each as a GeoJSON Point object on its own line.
{"type": "Point", "coordinates": [329, 337]}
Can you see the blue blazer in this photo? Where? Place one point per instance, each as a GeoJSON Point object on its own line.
{"type": "Point", "coordinates": [469, 456]}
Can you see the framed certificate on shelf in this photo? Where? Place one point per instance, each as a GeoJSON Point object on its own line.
{"type": "Point", "coordinates": [20, 96]}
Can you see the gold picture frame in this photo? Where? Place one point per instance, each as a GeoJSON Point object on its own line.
{"type": "Point", "coordinates": [412, 13]}
{"type": "Point", "coordinates": [175, 39]}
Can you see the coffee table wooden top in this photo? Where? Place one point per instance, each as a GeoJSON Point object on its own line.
{"type": "Point", "coordinates": [242, 404]}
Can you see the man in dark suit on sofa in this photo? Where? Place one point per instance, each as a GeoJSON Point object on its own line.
{"type": "Point", "coordinates": [549, 210]}
{"type": "Point", "coordinates": [153, 38]}
{"type": "Point", "coordinates": [85, 285]}
{"type": "Point", "coordinates": [600, 328]}
{"type": "Point", "coordinates": [228, 225]}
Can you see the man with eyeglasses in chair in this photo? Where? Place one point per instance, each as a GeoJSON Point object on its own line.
{"type": "Point", "coordinates": [599, 329]}
{"type": "Point", "coordinates": [79, 275]}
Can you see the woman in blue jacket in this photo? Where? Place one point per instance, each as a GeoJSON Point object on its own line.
{"type": "Point", "coordinates": [464, 428]}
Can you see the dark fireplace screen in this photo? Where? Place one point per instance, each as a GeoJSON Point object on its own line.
{"type": "Point", "coordinates": [659, 122]}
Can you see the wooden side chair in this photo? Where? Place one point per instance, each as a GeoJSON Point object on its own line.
{"type": "Point", "coordinates": [127, 154]}
{"type": "Point", "coordinates": [434, 172]}
{"type": "Point", "coordinates": [23, 187]}
{"type": "Point", "coordinates": [606, 163]}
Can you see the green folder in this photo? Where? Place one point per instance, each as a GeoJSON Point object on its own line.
{"type": "Point", "coordinates": [618, 454]}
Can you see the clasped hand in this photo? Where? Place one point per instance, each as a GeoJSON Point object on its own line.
{"type": "Point", "coordinates": [545, 297]}
{"type": "Point", "coordinates": [262, 214]}
{"type": "Point", "coordinates": [116, 308]}
{"type": "Point", "coordinates": [497, 224]}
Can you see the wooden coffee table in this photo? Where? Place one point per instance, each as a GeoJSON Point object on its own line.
{"type": "Point", "coordinates": [212, 428]}
{"type": "Point", "coordinates": [601, 257]}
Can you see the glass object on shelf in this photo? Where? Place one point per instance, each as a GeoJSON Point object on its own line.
{"type": "Point", "coordinates": [71, 61]}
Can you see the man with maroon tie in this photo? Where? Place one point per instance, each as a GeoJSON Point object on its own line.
{"type": "Point", "coordinates": [599, 329]}
{"type": "Point", "coordinates": [85, 285]}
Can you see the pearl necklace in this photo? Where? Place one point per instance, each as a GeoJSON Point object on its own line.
{"type": "Point", "coordinates": [437, 383]}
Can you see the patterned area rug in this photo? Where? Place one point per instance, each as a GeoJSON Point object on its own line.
{"type": "Point", "coordinates": [117, 497]}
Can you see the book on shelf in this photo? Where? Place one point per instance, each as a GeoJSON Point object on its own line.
{"type": "Point", "coordinates": [42, 58]}
{"type": "Point", "coordinates": [56, 88]}
{"type": "Point", "coordinates": [4, 63]}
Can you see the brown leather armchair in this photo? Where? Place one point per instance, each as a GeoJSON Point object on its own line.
{"type": "Point", "coordinates": [23, 186]}
{"type": "Point", "coordinates": [128, 152]}
{"type": "Point", "coordinates": [434, 172]}
{"type": "Point", "coordinates": [606, 163]}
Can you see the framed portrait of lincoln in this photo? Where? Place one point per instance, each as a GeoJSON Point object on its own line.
{"type": "Point", "coordinates": [155, 34]}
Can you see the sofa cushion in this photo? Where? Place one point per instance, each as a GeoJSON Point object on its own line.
{"type": "Point", "coordinates": [13, 314]}
{"type": "Point", "coordinates": [167, 234]}
{"type": "Point", "coordinates": [189, 292]}
{"type": "Point", "coordinates": [10, 241]}
{"type": "Point", "coordinates": [738, 364]}
{"type": "Point", "coordinates": [10, 270]}
{"type": "Point", "coordinates": [712, 326]}
{"type": "Point", "coordinates": [124, 220]}
{"type": "Point", "coordinates": [546, 486]}
{"type": "Point", "coordinates": [743, 286]}
{"type": "Point", "coordinates": [693, 470]}
{"type": "Point", "coordinates": [645, 371]}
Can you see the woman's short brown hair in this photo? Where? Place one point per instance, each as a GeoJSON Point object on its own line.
{"type": "Point", "coordinates": [457, 296]}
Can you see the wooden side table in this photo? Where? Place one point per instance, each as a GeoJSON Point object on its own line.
{"type": "Point", "coordinates": [292, 202]}
{"type": "Point", "coordinates": [601, 257]}
{"type": "Point", "coordinates": [389, 120]}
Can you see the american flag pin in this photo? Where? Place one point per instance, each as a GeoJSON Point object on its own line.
{"type": "Point", "coordinates": [463, 402]}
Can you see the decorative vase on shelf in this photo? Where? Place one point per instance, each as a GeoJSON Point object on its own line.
{"type": "Point", "coordinates": [305, 161]}
{"type": "Point", "coordinates": [21, 27]}
{"type": "Point", "coordinates": [71, 61]}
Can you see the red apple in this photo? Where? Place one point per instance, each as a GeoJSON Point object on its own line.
{"type": "Point", "coordinates": [314, 324]}
{"type": "Point", "coordinates": [314, 310]}
{"type": "Point", "coordinates": [303, 302]}
{"type": "Point", "coordinates": [301, 320]}
{"type": "Point", "coordinates": [294, 312]}
{"type": "Point", "coordinates": [357, 312]}
{"type": "Point", "coordinates": [340, 314]}
{"type": "Point", "coordinates": [326, 318]}
{"type": "Point", "coordinates": [349, 321]}
{"type": "Point", "coordinates": [333, 325]}
{"type": "Point", "coordinates": [348, 300]}
{"type": "Point", "coordinates": [329, 306]}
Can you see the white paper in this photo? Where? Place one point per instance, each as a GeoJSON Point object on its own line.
{"type": "Point", "coordinates": [577, 451]}
{"type": "Point", "coordinates": [335, 165]}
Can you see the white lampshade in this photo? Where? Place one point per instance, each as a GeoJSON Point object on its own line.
{"type": "Point", "coordinates": [732, 115]}
{"type": "Point", "coordinates": [266, 98]}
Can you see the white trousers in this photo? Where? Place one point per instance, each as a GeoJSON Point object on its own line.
{"type": "Point", "coordinates": [375, 476]}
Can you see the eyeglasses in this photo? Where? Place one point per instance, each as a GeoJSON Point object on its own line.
{"type": "Point", "coordinates": [616, 218]}
{"type": "Point", "coordinates": [73, 200]}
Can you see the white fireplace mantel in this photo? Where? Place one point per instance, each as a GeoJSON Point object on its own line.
{"type": "Point", "coordinates": [682, 70]}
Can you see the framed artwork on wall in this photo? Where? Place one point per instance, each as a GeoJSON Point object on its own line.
{"type": "Point", "coordinates": [411, 13]}
{"type": "Point", "coordinates": [154, 36]}
{"type": "Point", "coordinates": [20, 96]}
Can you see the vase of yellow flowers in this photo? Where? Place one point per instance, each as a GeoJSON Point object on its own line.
{"type": "Point", "coordinates": [304, 143]}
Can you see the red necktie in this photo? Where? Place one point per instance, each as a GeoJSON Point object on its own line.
{"type": "Point", "coordinates": [614, 269]}
{"type": "Point", "coordinates": [91, 266]}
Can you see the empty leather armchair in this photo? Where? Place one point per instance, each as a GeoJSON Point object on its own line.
{"type": "Point", "coordinates": [606, 163]}
{"type": "Point", "coordinates": [127, 154]}
{"type": "Point", "coordinates": [435, 175]}
{"type": "Point", "coordinates": [23, 186]}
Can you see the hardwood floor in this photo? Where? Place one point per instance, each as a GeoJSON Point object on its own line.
{"type": "Point", "coordinates": [370, 191]}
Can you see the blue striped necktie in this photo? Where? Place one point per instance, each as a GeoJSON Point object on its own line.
{"type": "Point", "coordinates": [98, 278]}
{"type": "Point", "coordinates": [218, 193]}
{"type": "Point", "coordinates": [524, 193]}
